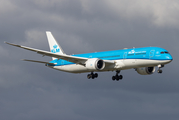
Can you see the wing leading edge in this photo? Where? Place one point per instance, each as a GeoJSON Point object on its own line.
{"type": "Point", "coordinates": [74, 59]}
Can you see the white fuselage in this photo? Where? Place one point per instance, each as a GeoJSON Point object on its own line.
{"type": "Point", "coordinates": [119, 65]}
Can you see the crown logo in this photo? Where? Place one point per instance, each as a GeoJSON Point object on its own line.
{"type": "Point", "coordinates": [55, 46]}
{"type": "Point", "coordinates": [55, 49]}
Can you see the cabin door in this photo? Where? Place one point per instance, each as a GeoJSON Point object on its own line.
{"type": "Point", "coordinates": [125, 56]}
{"type": "Point", "coordinates": [151, 54]}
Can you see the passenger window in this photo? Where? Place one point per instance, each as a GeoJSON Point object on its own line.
{"type": "Point", "coordinates": [162, 52]}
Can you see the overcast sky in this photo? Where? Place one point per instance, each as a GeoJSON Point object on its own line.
{"type": "Point", "coordinates": [31, 91]}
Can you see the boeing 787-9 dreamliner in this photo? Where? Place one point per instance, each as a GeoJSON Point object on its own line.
{"type": "Point", "coordinates": [143, 60]}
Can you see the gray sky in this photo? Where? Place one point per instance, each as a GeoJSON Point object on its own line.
{"type": "Point", "coordinates": [32, 91]}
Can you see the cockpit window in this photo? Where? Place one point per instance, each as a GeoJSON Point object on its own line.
{"type": "Point", "coordinates": [164, 52]}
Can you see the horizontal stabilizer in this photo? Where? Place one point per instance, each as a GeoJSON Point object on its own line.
{"type": "Point", "coordinates": [47, 63]}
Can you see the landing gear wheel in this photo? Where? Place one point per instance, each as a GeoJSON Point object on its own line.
{"type": "Point", "coordinates": [113, 78]}
{"type": "Point", "coordinates": [89, 76]}
{"type": "Point", "coordinates": [92, 75]}
{"type": "Point", "coordinates": [117, 77]}
{"type": "Point", "coordinates": [120, 77]}
{"type": "Point", "coordinates": [159, 71]}
{"type": "Point", "coordinates": [96, 75]}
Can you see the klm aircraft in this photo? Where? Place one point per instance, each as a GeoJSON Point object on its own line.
{"type": "Point", "coordinates": [143, 60]}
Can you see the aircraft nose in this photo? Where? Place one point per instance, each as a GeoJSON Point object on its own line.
{"type": "Point", "coordinates": [169, 57]}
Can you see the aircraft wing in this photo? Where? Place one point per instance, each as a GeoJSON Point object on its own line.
{"type": "Point", "coordinates": [74, 59]}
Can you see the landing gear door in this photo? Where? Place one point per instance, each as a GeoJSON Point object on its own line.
{"type": "Point", "coordinates": [151, 54]}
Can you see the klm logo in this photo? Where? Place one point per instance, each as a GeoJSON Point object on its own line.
{"type": "Point", "coordinates": [55, 49]}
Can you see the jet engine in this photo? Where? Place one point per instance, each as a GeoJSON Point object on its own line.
{"type": "Point", "coordinates": [146, 70]}
{"type": "Point", "coordinates": [95, 64]}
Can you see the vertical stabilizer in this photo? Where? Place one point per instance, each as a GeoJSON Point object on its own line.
{"type": "Point", "coordinates": [53, 44]}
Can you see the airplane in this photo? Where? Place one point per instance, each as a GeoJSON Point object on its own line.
{"type": "Point", "coordinates": [143, 60]}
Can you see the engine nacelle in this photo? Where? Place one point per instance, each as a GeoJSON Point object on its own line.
{"type": "Point", "coordinates": [95, 64]}
{"type": "Point", "coordinates": [146, 70]}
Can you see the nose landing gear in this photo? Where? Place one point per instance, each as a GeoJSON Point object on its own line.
{"type": "Point", "coordinates": [117, 77]}
{"type": "Point", "coordinates": [92, 75]}
{"type": "Point", "coordinates": [159, 70]}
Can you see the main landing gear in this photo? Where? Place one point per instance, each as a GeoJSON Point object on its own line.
{"type": "Point", "coordinates": [117, 77]}
{"type": "Point", "coordinates": [92, 75]}
{"type": "Point", "coordinates": [159, 70]}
